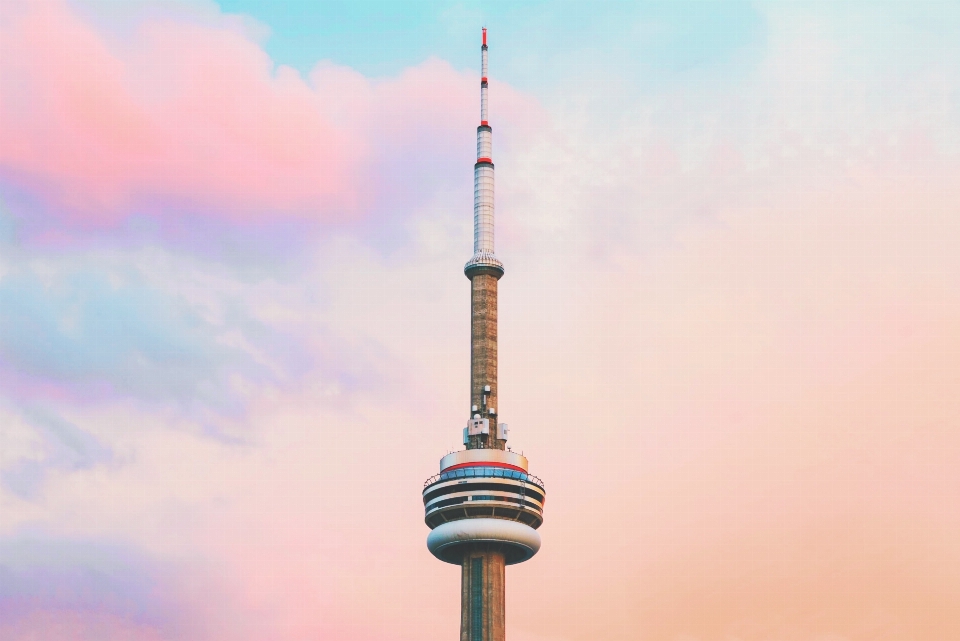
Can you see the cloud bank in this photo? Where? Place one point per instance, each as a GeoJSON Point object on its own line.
{"type": "Point", "coordinates": [727, 329]}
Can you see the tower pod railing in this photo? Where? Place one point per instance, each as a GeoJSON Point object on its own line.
{"type": "Point", "coordinates": [483, 471]}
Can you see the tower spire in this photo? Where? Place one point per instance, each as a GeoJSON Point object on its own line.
{"type": "Point", "coordinates": [484, 257]}
{"type": "Point", "coordinates": [484, 270]}
{"type": "Point", "coordinates": [483, 79]}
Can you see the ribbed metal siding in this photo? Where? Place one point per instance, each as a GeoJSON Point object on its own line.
{"type": "Point", "coordinates": [484, 144]}
{"type": "Point", "coordinates": [483, 209]}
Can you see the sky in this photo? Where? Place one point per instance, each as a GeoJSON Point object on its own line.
{"type": "Point", "coordinates": [234, 326]}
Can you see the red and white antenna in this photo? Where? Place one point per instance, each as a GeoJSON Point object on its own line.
{"type": "Point", "coordinates": [483, 254]}
{"type": "Point", "coordinates": [483, 80]}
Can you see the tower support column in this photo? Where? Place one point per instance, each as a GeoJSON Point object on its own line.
{"type": "Point", "coordinates": [482, 610]}
{"type": "Point", "coordinates": [483, 354]}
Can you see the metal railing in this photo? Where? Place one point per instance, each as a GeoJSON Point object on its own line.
{"type": "Point", "coordinates": [487, 472]}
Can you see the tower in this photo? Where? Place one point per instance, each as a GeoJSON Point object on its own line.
{"type": "Point", "coordinates": [484, 507]}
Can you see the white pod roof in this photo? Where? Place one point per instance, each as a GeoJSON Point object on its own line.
{"type": "Point", "coordinates": [520, 542]}
{"type": "Point", "coordinates": [483, 455]}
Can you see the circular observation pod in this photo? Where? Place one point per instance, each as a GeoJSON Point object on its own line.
{"type": "Point", "coordinates": [518, 542]}
{"type": "Point", "coordinates": [480, 491]}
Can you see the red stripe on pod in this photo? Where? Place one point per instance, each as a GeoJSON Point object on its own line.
{"type": "Point", "coordinates": [484, 160]}
{"type": "Point", "coordinates": [485, 464]}
{"type": "Point", "coordinates": [483, 123]}
{"type": "Point", "coordinates": [484, 79]}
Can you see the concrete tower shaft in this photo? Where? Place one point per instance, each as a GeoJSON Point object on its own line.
{"type": "Point", "coordinates": [483, 595]}
{"type": "Point", "coordinates": [483, 359]}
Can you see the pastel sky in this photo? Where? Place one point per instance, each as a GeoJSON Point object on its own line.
{"type": "Point", "coordinates": [234, 325]}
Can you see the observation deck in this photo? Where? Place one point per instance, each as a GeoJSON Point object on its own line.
{"type": "Point", "coordinates": [483, 496]}
{"type": "Point", "coordinates": [478, 490]}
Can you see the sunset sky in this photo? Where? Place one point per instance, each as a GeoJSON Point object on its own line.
{"type": "Point", "coordinates": [234, 326]}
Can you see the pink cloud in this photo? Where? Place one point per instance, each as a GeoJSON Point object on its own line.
{"type": "Point", "coordinates": [748, 432]}
{"type": "Point", "coordinates": [69, 625]}
{"type": "Point", "coordinates": [198, 118]}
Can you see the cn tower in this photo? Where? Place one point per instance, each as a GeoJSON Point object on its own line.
{"type": "Point", "coordinates": [484, 507]}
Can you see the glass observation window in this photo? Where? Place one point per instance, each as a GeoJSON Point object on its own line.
{"type": "Point", "coordinates": [483, 471]}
